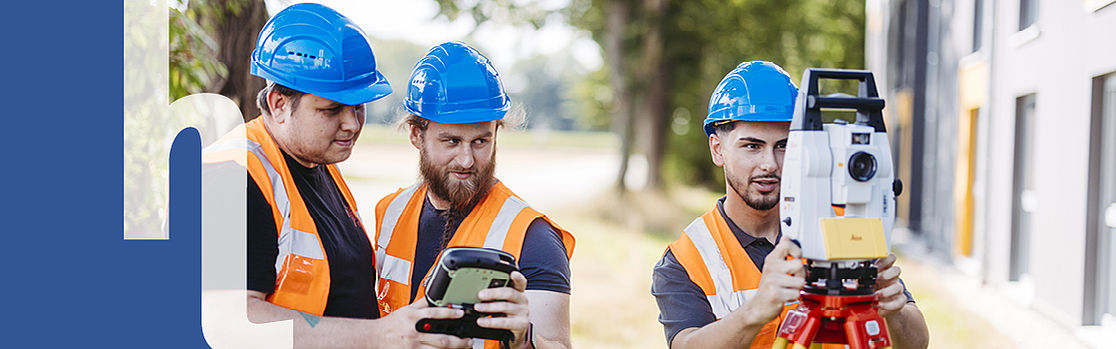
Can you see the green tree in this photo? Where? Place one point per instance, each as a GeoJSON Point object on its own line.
{"type": "Point", "coordinates": [395, 59]}
{"type": "Point", "coordinates": [215, 42]}
{"type": "Point", "coordinates": [548, 95]}
{"type": "Point", "coordinates": [200, 59]}
{"type": "Point", "coordinates": [795, 34]}
{"type": "Point", "coordinates": [663, 58]}
{"type": "Point", "coordinates": [194, 66]}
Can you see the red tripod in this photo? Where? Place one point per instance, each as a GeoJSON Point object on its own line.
{"type": "Point", "coordinates": [835, 313]}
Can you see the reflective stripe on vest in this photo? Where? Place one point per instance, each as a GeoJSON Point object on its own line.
{"type": "Point", "coordinates": [398, 269]}
{"type": "Point", "coordinates": [291, 240]}
{"type": "Point", "coordinates": [499, 221]}
{"type": "Point", "coordinates": [391, 267]}
{"type": "Point", "coordinates": [732, 280]}
{"type": "Point", "coordinates": [498, 232]}
{"type": "Point", "coordinates": [724, 300]}
{"type": "Point", "coordinates": [301, 270]}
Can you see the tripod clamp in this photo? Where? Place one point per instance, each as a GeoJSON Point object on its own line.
{"type": "Point", "coordinates": [834, 276]}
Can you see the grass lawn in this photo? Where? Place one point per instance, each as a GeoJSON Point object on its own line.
{"type": "Point", "coordinates": [950, 326]}
{"type": "Point", "coordinates": [619, 242]}
{"type": "Point", "coordinates": [612, 306]}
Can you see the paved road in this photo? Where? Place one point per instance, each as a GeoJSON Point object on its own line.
{"type": "Point", "coordinates": [546, 178]}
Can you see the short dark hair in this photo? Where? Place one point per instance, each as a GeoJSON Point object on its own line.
{"type": "Point", "coordinates": [723, 128]}
{"type": "Point", "coordinates": [416, 121]}
{"type": "Point", "coordinates": [261, 98]}
{"type": "Point", "coordinates": [421, 123]}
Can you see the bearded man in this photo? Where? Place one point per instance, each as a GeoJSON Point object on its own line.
{"type": "Point", "coordinates": [457, 104]}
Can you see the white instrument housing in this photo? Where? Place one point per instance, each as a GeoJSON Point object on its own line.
{"type": "Point", "coordinates": [816, 174]}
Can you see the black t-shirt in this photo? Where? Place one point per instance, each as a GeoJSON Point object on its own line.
{"type": "Point", "coordinates": [682, 303]}
{"type": "Point", "coordinates": [542, 261]}
{"type": "Point", "coordinates": [351, 271]}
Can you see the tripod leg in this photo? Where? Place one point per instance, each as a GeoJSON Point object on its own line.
{"type": "Point", "coordinates": [808, 330]}
{"type": "Point", "coordinates": [780, 343]}
{"type": "Point", "coordinates": [865, 328]}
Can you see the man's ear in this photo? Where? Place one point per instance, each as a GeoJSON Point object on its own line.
{"type": "Point", "coordinates": [278, 103]}
{"type": "Point", "coordinates": [715, 149]}
{"type": "Point", "coordinates": [416, 136]}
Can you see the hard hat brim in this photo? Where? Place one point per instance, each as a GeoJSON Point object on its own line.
{"type": "Point", "coordinates": [366, 94]}
{"type": "Point", "coordinates": [379, 88]}
{"type": "Point", "coordinates": [461, 117]}
{"type": "Point", "coordinates": [711, 123]}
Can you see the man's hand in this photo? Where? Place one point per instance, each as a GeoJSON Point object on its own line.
{"type": "Point", "coordinates": [904, 320]}
{"type": "Point", "coordinates": [510, 301]}
{"type": "Point", "coordinates": [398, 328]}
{"type": "Point", "coordinates": [889, 292]}
{"type": "Point", "coordinates": [782, 280]}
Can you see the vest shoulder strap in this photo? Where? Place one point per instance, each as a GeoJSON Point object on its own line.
{"type": "Point", "coordinates": [396, 215]}
{"type": "Point", "coordinates": [716, 262]}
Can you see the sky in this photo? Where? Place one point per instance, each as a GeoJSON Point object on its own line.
{"type": "Point", "coordinates": [414, 21]}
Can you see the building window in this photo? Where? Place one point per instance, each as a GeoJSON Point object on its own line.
{"type": "Point", "coordinates": [1108, 253]}
{"type": "Point", "coordinates": [1025, 199]}
{"type": "Point", "coordinates": [978, 24]}
{"type": "Point", "coordinates": [1028, 13]}
{"type": "Point", "coordinates": [1100, 254]}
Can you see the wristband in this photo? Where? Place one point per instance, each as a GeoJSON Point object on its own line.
{"type": "Point", "coordinates": [530, 337]}
{"type": "Point", "coordinates": [531, 334]}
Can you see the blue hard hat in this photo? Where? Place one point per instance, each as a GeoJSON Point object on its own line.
{"type": "Point", "coordinates": [455, 84]}
{"type": "Point", "coordinates": [754, 91]}
{"type": "Point", "coordinates": [313, 49]}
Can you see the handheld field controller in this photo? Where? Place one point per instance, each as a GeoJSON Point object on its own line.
{"type": "Point", "coordinates": [830, 167]}
{"type": "Point", "coordinates": [458, 275]}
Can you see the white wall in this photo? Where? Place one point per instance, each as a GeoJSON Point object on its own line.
{"type": "Point", "coordinates": [1058, 62]}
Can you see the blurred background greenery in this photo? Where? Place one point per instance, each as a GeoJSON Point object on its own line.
{"type": "Point", "coordinates": [661, 60]}
{"type": "Point", "coordinates": [643, 102]}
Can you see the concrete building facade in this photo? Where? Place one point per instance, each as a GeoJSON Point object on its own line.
{"type": "Point", "coordinates": [1003, 114]}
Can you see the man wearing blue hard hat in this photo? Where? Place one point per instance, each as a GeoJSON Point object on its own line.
{"type": "Point", "coordinates": [730, 278]}
{"type": "Point", "coordinates": [456, 105]}
{"type": "Point", "coordinates": [309, 256]}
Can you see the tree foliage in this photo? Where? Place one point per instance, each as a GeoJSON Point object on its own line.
{"type": "Point", "coordinates": [502, 11]}
{"type": "Point", "coordinates": [194, 67]}
{"type": "Point", "coordinates": [211, 47]}
{"type": "Point", "coordinates": [684, 48]}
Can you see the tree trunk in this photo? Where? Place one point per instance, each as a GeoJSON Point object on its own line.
{"type": "Point", "coordinates": [655, 103]}
{"type": "Point", "coordinates": [235, 24]}
{"type": "Point", "coordinates": [616, 22]}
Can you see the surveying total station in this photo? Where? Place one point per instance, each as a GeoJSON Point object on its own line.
{"type": "Point", "coordinates": [831, 167]}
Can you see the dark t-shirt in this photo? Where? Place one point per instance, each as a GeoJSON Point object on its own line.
{"type": "Point", "coordinates": [351, 272]}
{"type": "Point", "coordinates": [682, 304]}
{"type": "Point", "coordinates": [542, 261]}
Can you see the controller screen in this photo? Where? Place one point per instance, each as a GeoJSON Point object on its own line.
{"type": "Point", "coordinates": [466, 282]}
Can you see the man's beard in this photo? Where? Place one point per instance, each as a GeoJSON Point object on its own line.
{"type": "Point", "coordinates": [461, 194]}
{"type": "Point", "coordinates": [754, 199]}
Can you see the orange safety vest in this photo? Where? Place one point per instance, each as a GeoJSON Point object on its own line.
{"type": "Point", "coordinates": [301, 268]}
{"type": "Point", "coordinates": [499, 221]}
{"type": "Point", "coordinates": [716, 262]}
